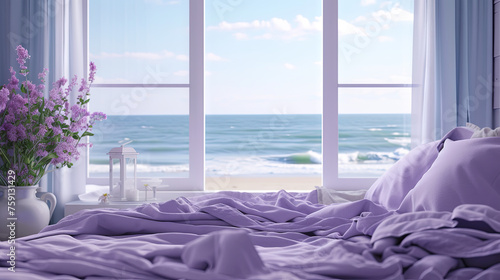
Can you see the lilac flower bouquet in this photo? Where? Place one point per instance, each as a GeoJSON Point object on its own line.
{"type": "Point", "coordinates": [36, 132]}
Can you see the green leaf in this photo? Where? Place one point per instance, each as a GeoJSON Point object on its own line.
{"type": "Point", "coordinates": [86, 133]}
{"type": "Point", "coordinates": [23, 89]}
{"type": "Point", "coordinates": [42, 106]}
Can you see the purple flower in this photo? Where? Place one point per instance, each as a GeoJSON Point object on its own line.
{"type": "Point", "coordinates": [60, 83]}
{"type": "Point", "coordinates": [4, 97]}
{"type": "Point", "coordinates": [22, 55]}
{"type": "Point", "coordinates": [50, 105]}
{"type": "Point", "coordinates": [93, 69]}
{"type": "Point", "coordinates": [17, 103]}
{"type": "Point", "coordinates": [42, 75]}
{"type": "Point", "coordinates": [77, 112]}
{"type": "Point", "coordinates": [49, 122]}
{"type": "Point", "coordinates": [13, 81]}
{"type": "Point", "coordinates": [42, 153]}
{"type": "Point", "coordinates": [55, 96]}
{"type": "Point", "coordinates": [71, 85]}
{"type": "Point", "coordinates": [40, 87]}
{"type": "Point", "coordinates": [21, 115]}
{"type": "Point", "coordinates": [35, 94]}
{"type": "Point", "coordinates": [11, 132]}
{"type": "Point", "coordinates": [10, 117]}
{"type": "Point", "coordinates": [30, 87]}
{"type": "Point", "coordinates": [21, 132]}
{"type": "Point", "coordinates": [57, 130]}
{"type": "Point", "coordinates": [97, 116]}
{"type": "Point", "coordinates": [83, 87]}
{"type": "Point", "coordinates": [41, 131]}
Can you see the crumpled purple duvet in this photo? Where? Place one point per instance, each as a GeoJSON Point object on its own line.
{"type": "Point", "coordinates": [279, 235]}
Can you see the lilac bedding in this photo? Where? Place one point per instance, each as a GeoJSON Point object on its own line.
{"type": "Point", "coordinates": [271, 236]}
{"type": "Point", "coordinates": [443, 223]}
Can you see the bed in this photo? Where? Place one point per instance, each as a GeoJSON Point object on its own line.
{"type": "Point", "coordinates": [434, 215]}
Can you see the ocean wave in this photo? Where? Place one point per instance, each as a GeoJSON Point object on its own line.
{"type": "Point", "coordinates": [308, 157]}
{"type": "Point", "coordinates": [400, 141]}
{"type": "Point", "coordinates": [372, 157]}
{"type": "Point", "coordinates": [309, 163]}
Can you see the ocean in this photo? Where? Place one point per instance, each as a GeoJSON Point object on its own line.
{"type": "Point", "coordinates": [254, 145]}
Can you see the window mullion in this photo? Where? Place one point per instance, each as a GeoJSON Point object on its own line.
{"type": "Point", "coordinates": [330, 93]}
{"type": "Point", "coordinates": [196, 95]}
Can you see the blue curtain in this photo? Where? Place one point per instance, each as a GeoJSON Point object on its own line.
{"type": "Point", "coordinates": [26, 23]}
{"type": "Point", "coordinates": [452, 66]}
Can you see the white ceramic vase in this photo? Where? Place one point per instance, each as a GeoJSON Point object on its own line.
{"type": "Point", "coordinates": [30, 214]}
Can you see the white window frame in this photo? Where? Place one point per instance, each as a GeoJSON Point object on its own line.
{"type": "Point", "coordinates": [331, 86]}
{"type": "Point", "coordinates": [196, 179]}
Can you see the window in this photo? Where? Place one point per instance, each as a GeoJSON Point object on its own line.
{"type": "Point", "coordinates": [263, 94]}
{"type": "Point", "coordinates": [367, 89]}
{"type": "Point", "coordinates": [150, 83]}
{"type": "Point", "coordinates": [314, 88]}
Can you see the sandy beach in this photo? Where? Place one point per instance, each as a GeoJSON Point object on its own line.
{"type": "Point", "coordinates": [268, 183]}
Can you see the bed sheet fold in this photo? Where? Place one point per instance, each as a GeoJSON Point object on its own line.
{"type": "Point", "coordinates": [277, 235]}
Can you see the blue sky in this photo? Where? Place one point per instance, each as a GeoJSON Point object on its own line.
{"type": "Point", "coordinates": [262, 56]}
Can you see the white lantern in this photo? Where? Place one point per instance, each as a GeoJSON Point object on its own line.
{"type": "Point", "coordinates": [128, 186]}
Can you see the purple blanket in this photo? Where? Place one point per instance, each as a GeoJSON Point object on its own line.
{"type": "Point", "coordinates": [271, 236]}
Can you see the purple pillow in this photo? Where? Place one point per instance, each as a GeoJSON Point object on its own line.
{"type": "Point", "coordinates": [392, 187]}
{"type": "Point", "coordinates": [465, 172]}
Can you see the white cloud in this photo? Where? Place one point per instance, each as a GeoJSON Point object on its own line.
{"type": "Point", "coordinates": [394, 13]}
{"type": "Point", "coordinates": [280, 24]}
{"type": "Point", "coordinates": [289, 66]}
{"type": "Point", "coordinates": [380, 19]}
{"type": "Point", "coordinates": [181, 73]}
{"type": "Point", "coordinates": [137, 55]}
{"type": "Point", "coordinates": [360, 19]}
{"type": "Point", "coordinates": [240, 36]}
{"type": "Point", "coordinates": [214, 57]}
{"type": "Point", "coordinates": [182, 57]}
{"type": "Point", "coordinates": [401, 14]}
{"type": "Point", "coordinates": [275, 28]}
{"type": "Point", "coordinates": [304, 24]}
{"type": "Point", "coordinates": [368, 2]}
{"type": "Point", "coordinates": [346, 28]}
{"type": "Point", "coordinates": [224, 25]}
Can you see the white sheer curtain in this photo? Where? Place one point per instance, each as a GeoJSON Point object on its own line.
{"type": "Point", "coordinates": [452, 66]}
{"type": "Point", "coordinates": [55, 34]}
{"type": "Point", "coordinates": [71, 57]}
